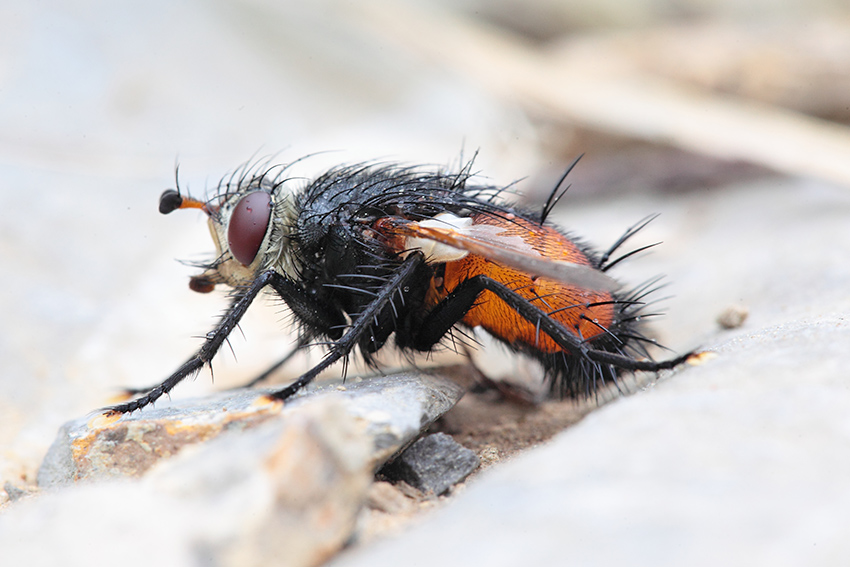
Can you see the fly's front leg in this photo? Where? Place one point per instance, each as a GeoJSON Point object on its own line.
{"type": "Point", "coordinates": [205, 354]}
{"type": "Point", "coordinates": [359, 327]}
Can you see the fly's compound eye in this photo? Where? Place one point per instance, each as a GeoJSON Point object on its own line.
{"type": "Point", "coordinates": [248, 225]}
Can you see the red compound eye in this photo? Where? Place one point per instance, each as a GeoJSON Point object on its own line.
{"type": "Point", "coordinates": [248, 225]}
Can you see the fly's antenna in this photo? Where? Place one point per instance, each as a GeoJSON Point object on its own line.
{"type": "Point", "coordinates": [172, 199]}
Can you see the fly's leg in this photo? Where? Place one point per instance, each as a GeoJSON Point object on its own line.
{"type": "Point", "coordinates": [452, 309]}
{"type": "Point", "coordinates": [205, 354]}
{"type": "Point", "coordinates": [359, 327]}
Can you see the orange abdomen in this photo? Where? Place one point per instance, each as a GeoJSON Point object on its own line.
{"type": "Point", "coordinates": [564, 303]}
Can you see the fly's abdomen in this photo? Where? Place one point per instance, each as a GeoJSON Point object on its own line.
{"type": "Point", "coordinates": [585, 313]}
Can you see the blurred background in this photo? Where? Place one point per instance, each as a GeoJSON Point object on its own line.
{"type": "Point", "coordinates": [671, 101]}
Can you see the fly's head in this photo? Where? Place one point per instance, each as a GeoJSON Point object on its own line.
{"type": "Point", "coordinates": [249, 226]}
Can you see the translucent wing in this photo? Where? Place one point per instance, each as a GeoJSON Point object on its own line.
{"type": "Point", "coordinates": [459, 236]}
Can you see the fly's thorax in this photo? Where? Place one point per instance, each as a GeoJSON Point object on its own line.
{"type": "Point", "coordinates": [251, 232]}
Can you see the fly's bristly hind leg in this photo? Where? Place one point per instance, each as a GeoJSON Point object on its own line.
{"type": "Point", "coordinates": [452, 309]}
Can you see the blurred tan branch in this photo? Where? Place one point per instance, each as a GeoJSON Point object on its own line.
{"type": "Point", "coordinates": [603, 89]}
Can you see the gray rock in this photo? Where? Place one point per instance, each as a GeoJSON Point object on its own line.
{"type": "Point", "coordinates": [249, 481]}
{"type": "Point", "coordinates": [393, 408]}
{"type": "Point", "coordinates": [13, 493]}
{"type": "Point", "coordinates": [433, 464]}
{"type": "Point", "coordinates": [286, 492]}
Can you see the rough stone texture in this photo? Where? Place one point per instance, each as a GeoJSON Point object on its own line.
{"type": "Point", "coordinates": [13, 492]}
{"type": "Point", "coordinates": [433, 464]}
{"type": "Point", "coordinates": [286, 493]}
{"type": "Point", "coordinates": [393, 408]}
{"type": "Point", "coordinates": [253, 481]}
{"type": "Point", "coordinates": [732, 463]}
{"type": "Point", "coordinates": [99, 446]}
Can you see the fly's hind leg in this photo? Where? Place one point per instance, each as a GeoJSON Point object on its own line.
{"type": "Point", "coordinates": [452, 309]}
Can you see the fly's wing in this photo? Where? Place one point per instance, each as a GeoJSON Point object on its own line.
{"type": "Point", "coordinates": [489, 241]}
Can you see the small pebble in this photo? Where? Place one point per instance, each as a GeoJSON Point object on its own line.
{"type": "Point", "coordinates": [13, 492]}
{"type": "Point", "coordinates": [433, 464]}
{"type": "Point", "coordinates": [733, 316]}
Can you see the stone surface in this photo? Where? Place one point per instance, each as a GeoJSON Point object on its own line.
{"type": "Point", "coordinates": [740, 461]}
{"type": "Point", "coordinates": [234, 479]}
{"type": "Point", "coordinates": [433, 464]}
{"type": "Point", "coordinates": [286, 492]}
{"type": "Point", "coordinates": [392, 408]}
{"type": "Point", "coordinates": [13, 493]}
